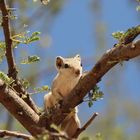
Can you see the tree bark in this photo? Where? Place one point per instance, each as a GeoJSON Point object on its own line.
{"type": "Point", "coordinates": [19, 109]}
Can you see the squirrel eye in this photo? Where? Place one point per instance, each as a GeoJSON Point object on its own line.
{"type": "Point", "coordinates": [66, 66]}
{"type": "Point", "coordinates": [81, 64]}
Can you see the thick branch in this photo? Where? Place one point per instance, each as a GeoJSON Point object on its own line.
{"type": "Point", "coordinates": [19, 109]}
{"type": "Point", "coordinates": [5, 133]}
{"type": "Point", "coordinates": [89, 80]}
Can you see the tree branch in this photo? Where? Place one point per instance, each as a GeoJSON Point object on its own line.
{"type": "Point", "coordinates": [12, 70]}
{"type": "Point", "coordinates": [80, 130]}
{"type": "Point", "coordinates": [19, 109]}
{"type": "Point", "coordinates": [23, 113]}
{"type": "Point", "coordinates": [4, 133]}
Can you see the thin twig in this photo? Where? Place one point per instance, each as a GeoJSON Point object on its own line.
{"type": "Point", "coordinates": [80, 130]}
{"type": "Point", "coordinates": [12, 72]}
{"type": "Point", "coordinates": [5, 133]}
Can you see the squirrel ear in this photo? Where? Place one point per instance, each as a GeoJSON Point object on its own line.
{"type": "Point", "coordinates": [78, 57]}
{"type": "Point", "coordinates": [59, 62]}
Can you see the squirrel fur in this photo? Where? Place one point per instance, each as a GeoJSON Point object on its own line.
{"type": "Point", "coordinates": [69, 73]}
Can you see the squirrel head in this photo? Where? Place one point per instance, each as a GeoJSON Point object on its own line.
{"type": "Point", "coordinates": [69, 66]}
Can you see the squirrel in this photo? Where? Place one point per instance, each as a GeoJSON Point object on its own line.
{"type": "Point", "coordinates": [69, 73]}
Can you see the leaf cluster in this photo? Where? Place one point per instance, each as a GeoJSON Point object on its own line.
{"type": "Point", "coordinates": [25, 83]}
{"type": "Point", "coordinates": [25, 38]}
{"type": "Point", "coordinates": [94, 95]}
{"type": "Point", "coordinates": [44, 88]}
{"type": "Point", "coordinates": [30, 59]}
{"type": "Point", "coordinates": [5, 78]}
{"type": "Point", "coordinates": [128, 36]}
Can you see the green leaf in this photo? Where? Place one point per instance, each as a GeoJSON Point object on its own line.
{"type": "Point", "coordinates": [96, 88]}
{"type": "Point", "coordinates": [2, 45]}
{"type": "Point", "coordinates": [42, 89]}
{"type": "Point", "coordinates": [128, 36]}
{"type": "Point", "coordinates": [25, 38]}
{"type": "Point", "coordinates": [5, 78]}
{"type": "Point", "coordinates": [35, 34]}
{"type": "Point", "coordinates": [94, 95]}
{"type": "Point", "coordinates": [30, 59]}
{"type": "Point", "coordinates": [25, 83]}
{"type": "Point", "coordinates": [2, 50]}
{"type": "Point", "coordinates": [33, 39]}
{"type": "Point", "coordinates": [90, 103]}
{"type": "Point", "coordinates": [118, 35]}
{"type": "Point", "coordinates": [97, 95]}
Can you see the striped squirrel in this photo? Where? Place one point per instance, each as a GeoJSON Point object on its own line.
{"type": "Point", "coordinates": [69, 73]}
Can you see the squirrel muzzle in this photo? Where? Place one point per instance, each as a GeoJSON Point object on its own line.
{"type": "Point", "coordinates": [77, 72]}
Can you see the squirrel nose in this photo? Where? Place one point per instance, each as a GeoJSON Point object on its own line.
{"type": "Point", "coordinates": [77, 71]}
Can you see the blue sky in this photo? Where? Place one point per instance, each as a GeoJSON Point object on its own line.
{"type": "Point", "coordinates": [73, 27]}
